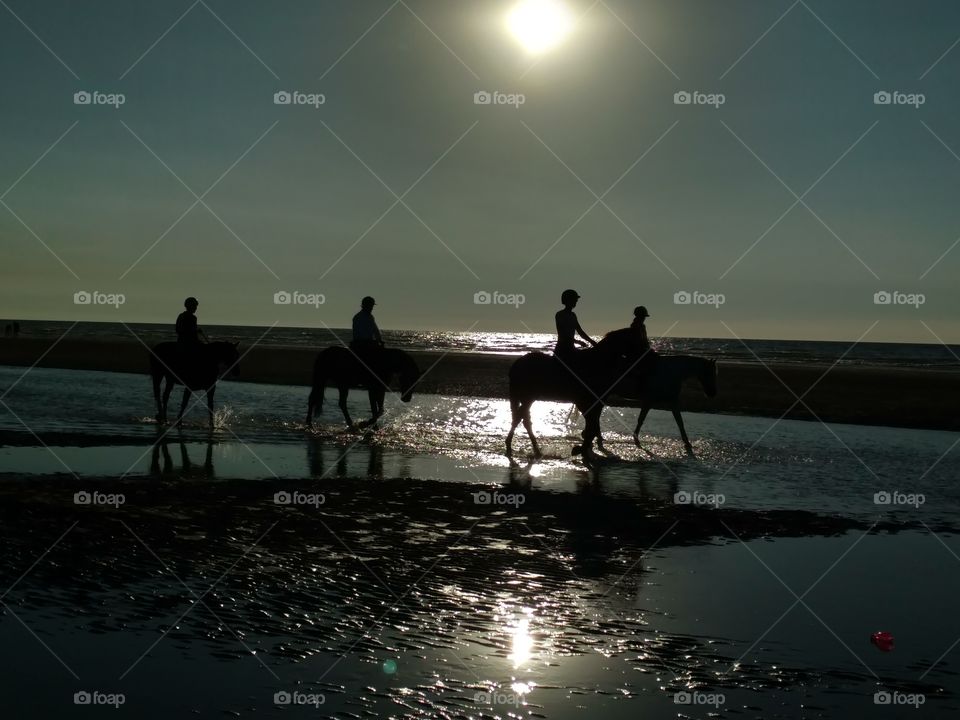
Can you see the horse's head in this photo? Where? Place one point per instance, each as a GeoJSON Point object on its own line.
{"type": "Point", "coordinates": [227, 354]}
{"type": "Point", "coordinates": [409, 374]}
{"type": "Point", "coordinates": [708, 378]}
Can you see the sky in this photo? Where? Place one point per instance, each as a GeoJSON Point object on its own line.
{"type": "Point", "coordinates": [779, 201]}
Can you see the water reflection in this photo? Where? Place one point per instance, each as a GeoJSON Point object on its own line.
{"type": "Point", "coordinates": [521, 640]}
{"type": "Point", "coordinates": [188, 469]}
{"type": "Point", "coordinates": [323, 457]}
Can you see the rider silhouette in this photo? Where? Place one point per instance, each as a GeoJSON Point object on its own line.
{"type": "Point", "coordinates": [367, 341]}
{"type": "Point", "coordinates": [568, 327]}
{"type": "Point", "coordinates": [648, 356]}
{"type": "Point", "coordinates": [189, 335]}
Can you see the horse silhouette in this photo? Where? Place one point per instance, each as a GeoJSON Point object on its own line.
{"type": "Point", "coordinates": [343, 369]}
{"type": "Point", "coordinates": [195, 367]}
{"type": "Point", "coordinates": [585, 378]}
{"type": "Point", "coordinates": [662, 389]}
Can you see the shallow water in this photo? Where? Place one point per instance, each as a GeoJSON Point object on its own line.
{"type": "Point", "coordinates": [399, 595]}
{"type": "Point", "coordinates": [103, 425]}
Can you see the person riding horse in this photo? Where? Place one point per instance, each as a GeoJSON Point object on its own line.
{"type": "Point", "coordinates": [648, 356]}
{"type": "Point", "coordinates": [568, 328]}
{"type": "Point", "coordinates": [189, 334]}
{"type": "Point", "coordinates": [366, 363]}
{"type": "Point", "coordinates": [367, 343]}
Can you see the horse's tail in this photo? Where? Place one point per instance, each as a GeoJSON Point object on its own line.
{"type": "Point", "coordinates": [157, 372]}
{"type": "Point", "coordinates": [315, 402]}
{"type": "Point", "coordinates": [515, 386]}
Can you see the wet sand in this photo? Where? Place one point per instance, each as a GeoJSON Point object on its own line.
{"type": "Point", "coordinates": [195, 579]}
{"type": "Point", "coordinates": [896, 397]}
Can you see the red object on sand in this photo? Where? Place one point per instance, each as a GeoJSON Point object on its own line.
{"type": "Point", "coordinates": [883, 640]}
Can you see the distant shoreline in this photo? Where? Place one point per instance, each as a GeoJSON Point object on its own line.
{"type": "Point", "coordinates": [865, 395]}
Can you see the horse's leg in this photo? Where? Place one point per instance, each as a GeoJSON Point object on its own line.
{"type": "Point", "coordinates": [210, 391]}
{"type": "Point", "coordinates": [167, 389]}
{"type": "Point", "coordinates": [183, 406]}
{"type": "Point", "coordinates": [683, 432]}
{"type": "Point", "coordinates": [528, 425]}
{"type": "Point", "coordinates": [316, 392]}
{"type": "Point", "coordinates": [157, 377]}
{"type": "Point", "coordinates": [315, 401]}
{"type": "Point", "coordinates": [372, 399]}
{"type": "Point", "coordinates": [591, 430]}
{"type": "Point", "coordinates": [600, 446]}
{"type": "Point", "coordinates": [643, 416]}
{"type": "Point", "coordinates": [344, 391]}
{"type": "Point", "coordinates": [516, 416]}
{"type": "Point", "coordinates": [378, 407]}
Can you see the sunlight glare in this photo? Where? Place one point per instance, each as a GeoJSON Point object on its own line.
{"type": "Point", "coordinates": [522, 641]}
{"type": "Point", "coordinates": [540, 24]}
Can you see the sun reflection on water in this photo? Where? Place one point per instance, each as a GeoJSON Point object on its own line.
{"type": "Point", "coordinates": [521, 640]}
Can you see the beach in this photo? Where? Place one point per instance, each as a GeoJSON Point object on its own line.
{"type": "Point", "coordinates": [890, 396]}
{"type": "Point", "coordinates": [265, 569]}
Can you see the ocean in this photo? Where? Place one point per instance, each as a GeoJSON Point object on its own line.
{"type": "Point", "coordinates": [907, 355]}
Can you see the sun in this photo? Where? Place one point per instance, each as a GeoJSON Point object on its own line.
{"type": "Point", "coordinates": [540, 25]}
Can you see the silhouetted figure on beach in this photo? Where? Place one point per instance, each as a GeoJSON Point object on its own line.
{"type": "Point", "coordinates": [367, 341]}
{"type": "Point", "coordinates": [8, 330]}
{"type": "Point", "coordinates": [648, 356]}
{"type": "Point", "coordinates": [568, 327]}
{"type": "Point", "coordinates": [640, 316]}
{"type": "Point", "coordinates": [16, 329]}
{"type": "Point", "coordinates": [189, 334]}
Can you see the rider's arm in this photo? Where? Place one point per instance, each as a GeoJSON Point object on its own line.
{"type": "Point", "coordinates": [586, 337]}
{"type": "Point", "coordinates": [376, 332]}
